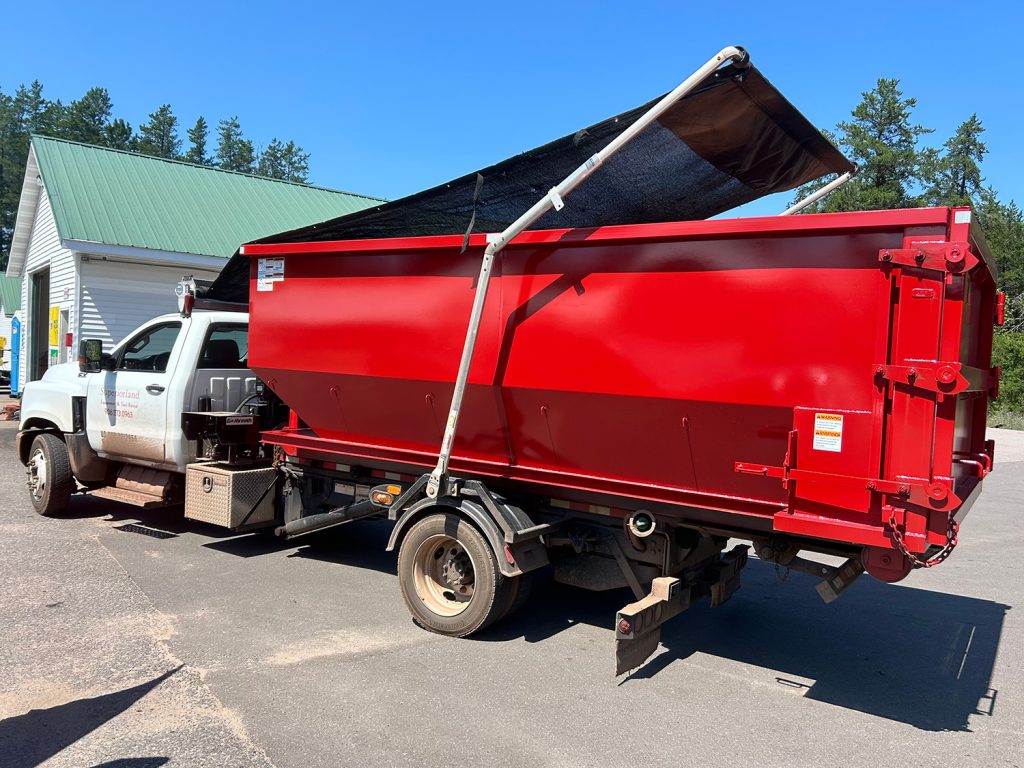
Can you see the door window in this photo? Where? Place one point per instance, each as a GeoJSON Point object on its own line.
{"type": "Point", "coordinates": [150, 350]}
{"type": "Point", "coordinates": [227, 346]}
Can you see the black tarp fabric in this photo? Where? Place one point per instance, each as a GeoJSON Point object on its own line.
{"type": "Point", "coordinates": [732, 140]}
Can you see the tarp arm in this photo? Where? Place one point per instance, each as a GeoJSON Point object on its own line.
{"type": "Point", "coordinates": [438, 483]}
{"type": "Point", "coordinates": [820, 193]}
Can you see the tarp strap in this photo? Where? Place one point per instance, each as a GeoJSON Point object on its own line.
{"type": "Point", "coordinates": [472, 219]}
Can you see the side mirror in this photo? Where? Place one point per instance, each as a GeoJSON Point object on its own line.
{"type": "Point", "coordinates": [90, 353]}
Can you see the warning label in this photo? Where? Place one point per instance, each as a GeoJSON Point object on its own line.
{"type": "Point", "coordinates": [828, 432]}
{"type": "Point", "coordinates": [268, 272]}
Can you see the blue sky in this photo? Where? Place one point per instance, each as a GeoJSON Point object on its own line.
{"type": "Point", "coordinates": [390, 98]}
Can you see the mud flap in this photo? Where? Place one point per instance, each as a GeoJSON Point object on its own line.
{"type": "Point", "coordinates": [638, 625]}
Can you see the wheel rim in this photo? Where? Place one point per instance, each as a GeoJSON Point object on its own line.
{"type": "Point", "coordinates": [37, 474]}
{"type": "Point", "coordinates": [444, 575]}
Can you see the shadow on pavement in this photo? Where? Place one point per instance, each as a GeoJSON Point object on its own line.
{"type": "Point", "coordinates": [135, 762]}
{"type": "Point", "coordinates": [906, 654]}
{"type": "Point", "coordinates": [29, 739]}
{"type": "Point", "coordinates": [360, 545]}
{"type": "Point", "coordinates": [898, 652]}
{"type": "Point", "coordinates": [918, 657]}
{"type": "Point", "coordinates": [170, 519]}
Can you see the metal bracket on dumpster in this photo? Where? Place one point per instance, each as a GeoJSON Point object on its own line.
{"type": "Point", "coordinates": [945, 378]}
{"type": "Point", "coordinates": [942, 257]}
{"type": "Point", "coordinates": [932, 495]}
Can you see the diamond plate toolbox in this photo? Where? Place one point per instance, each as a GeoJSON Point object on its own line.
{"type": "Point", "coordinates": [224, 495]}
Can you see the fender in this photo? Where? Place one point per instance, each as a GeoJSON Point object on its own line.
{"type": "Point", "coordinates": [46, 403]}
{"type": "Point", "coordinates": [526, 557]}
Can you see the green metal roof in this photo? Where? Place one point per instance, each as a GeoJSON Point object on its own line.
{"type": "Point", "coordinates": [121, 198]}
{"type": "Point", "coordinates": [10, 294]}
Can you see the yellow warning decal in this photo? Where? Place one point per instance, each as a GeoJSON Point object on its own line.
{"type": "Point", "coordinates": [828, 432]}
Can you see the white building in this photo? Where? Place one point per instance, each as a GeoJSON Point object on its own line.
{"type": "Point", "coordinates": [103, 236]}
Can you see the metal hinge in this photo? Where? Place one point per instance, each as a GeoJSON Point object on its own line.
{"type": "Point", "coordinates": [941, 377]}
{"type": "Point", "coordinates": [943, 257]}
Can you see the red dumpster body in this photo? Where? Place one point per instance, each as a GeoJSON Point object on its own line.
{"type": "Point", "coordinates": [824, 377]}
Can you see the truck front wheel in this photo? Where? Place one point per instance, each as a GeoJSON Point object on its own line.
{"type": "Point", "coordinates": [449, 578]}
{"type": "Point", "coordinates": [50, 481]}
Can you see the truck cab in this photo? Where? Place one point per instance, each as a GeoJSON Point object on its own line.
{"type": "Point", "coordinates": [111, 425]}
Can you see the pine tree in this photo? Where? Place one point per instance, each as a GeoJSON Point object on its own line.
{"type": "Point", "coordinates": [954, 178]}
{"type": "Point", "coordinates": [197, 136]}
{"type": "Point", "coordinates": [25, 112]}
{"type": "Point", "coordinates": [119, 135]}
{"type": "Point", "coordinates": [284, 161]}
{"type": "Point", "coordinates": [881, 138]}
{"type": "Point", "coordinates": [86, 119]}
{"type": "Point", "coordinates": [159, 137]}
{"type": "Point", "coordinates": [34, 113]}
{"type": "Point", "coordinates": [234, 151]}
{"type": "Point", "coordinates": [8, 157]}
{"type": "Point", "coordinates": [1003, 225]}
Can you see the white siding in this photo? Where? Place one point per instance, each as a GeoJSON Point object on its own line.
{"type": "Point", "coordinates": [116, 298]}
{"type": "Point", "coordinates": [44, 251]}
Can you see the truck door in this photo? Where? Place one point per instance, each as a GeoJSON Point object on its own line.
{"type": "Point", "coordinates": [127, 407]}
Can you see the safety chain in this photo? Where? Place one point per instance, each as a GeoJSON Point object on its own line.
{"type": "Point", "coordinates": [951, 541]}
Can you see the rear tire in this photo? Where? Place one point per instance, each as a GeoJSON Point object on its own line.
{"type": "Point", "coordinates": [50, 479]}
{"type": "Point", "coordinates": [524, 588]}
{"type": "Point", "coordinates": [449, 578]}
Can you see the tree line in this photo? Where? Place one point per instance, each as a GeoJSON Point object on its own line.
{"type": "Point", "coordinates": [897, 168]}
{"type": "Point", "coordinates": [91, 120]}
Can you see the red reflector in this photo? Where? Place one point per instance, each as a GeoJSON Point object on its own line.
{"type": "Point", "coordinates": [508, 556]}
{"type": "Point", "coordinates": [625, 627]}
{"type": "Point", "coordinates": [1000, 308]}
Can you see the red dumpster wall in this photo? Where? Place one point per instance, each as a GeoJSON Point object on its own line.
{"type": "Point", "coordinates": [642, 361]}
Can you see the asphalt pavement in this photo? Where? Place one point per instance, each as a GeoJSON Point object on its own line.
{"type": "Point", "coordinates": [141, 639]}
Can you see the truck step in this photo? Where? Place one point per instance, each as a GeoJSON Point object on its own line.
{"type": "Point", "coordinates": [135, 498]}
{"type": "Point", "coordinates": [153, 482]}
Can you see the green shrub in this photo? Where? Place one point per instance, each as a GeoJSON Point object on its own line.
{"type": "Point", "coordinates": [1008, 354]}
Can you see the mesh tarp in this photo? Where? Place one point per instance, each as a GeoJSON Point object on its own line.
{"type": "Point", "coordinates": [732, 140]}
